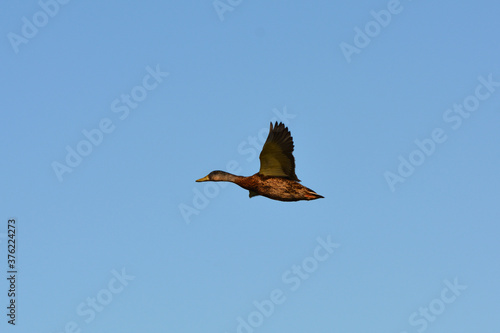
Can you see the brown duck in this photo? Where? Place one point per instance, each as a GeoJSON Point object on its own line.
{"type": "Point", "coordinates": [276, 178]}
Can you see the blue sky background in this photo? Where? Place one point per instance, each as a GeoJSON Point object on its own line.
{"type": "Point", "coordinates": [120, 209]}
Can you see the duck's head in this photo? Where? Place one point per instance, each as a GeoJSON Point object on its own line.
{"type": "Point", "coordinates": [216, 176]}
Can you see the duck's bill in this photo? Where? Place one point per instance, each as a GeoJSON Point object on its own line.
{"type": "Point", "coordinates": [204, 179]}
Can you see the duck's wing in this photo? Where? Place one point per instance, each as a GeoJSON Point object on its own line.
{"type": "Point", "coordinates": [276, 158]}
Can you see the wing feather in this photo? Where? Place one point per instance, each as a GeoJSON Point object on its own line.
{"type": "Point", "coordinates": [276, 158]}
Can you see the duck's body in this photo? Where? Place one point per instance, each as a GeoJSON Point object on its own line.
{"type": "Point", "coordinates": [276, 178]}
{"type": "Point", "coordinates": [277, 188]}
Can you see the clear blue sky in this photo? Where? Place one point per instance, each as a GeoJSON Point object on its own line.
{"type": "Point", "coordinates": [111, 110]}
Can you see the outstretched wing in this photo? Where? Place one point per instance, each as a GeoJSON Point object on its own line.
{"type": "Point", "coordinates": [276, 158]}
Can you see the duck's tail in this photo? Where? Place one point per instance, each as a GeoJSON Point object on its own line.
{"type": "Point", "coordinates": [311, 195]}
